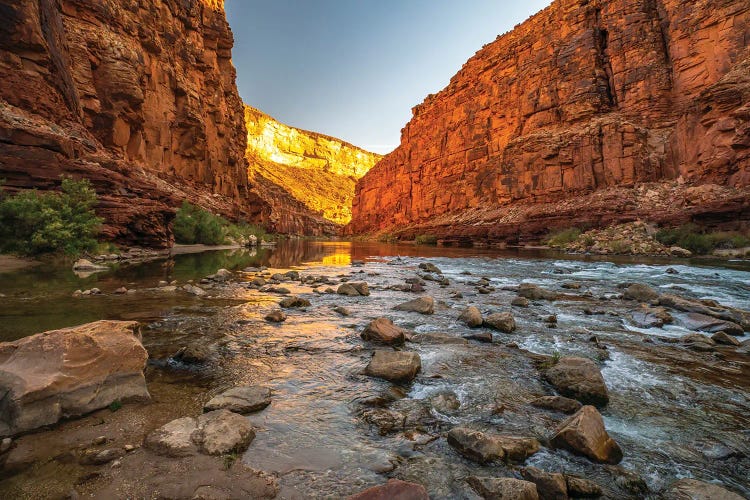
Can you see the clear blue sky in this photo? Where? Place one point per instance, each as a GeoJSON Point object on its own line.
{"type": "Point", "coordinates": [354, 68]}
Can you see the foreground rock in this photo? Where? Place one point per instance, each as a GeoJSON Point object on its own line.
{"type": "Point", "coordinates": [471, 317]}
{"type": "Point", "coordinates": [557, 403]}
{"type": "Point", "coordinates": [383, 330]}
{"type": "Point", "coordinates": [213, 433]}
{"type": "Point", "coordinates": [354, 289]}
{"type": "Point", "coordinates": [640, 292]}
{"type": "Point", "coordinates": [276, 316]}
{"type": "Point", "coordinates": [584, 434]}
{"type": "Point", "coordinates": [422, 305]}
{"type": "Point", "coordinates": [293, 301]}
{"type": "Point", "coordinates": [549, 485]}
{"type": "Point", "coordinates": [69, 372]}
{"type": "Point", "coordinates": [394, 489]}
{"type": "Point", "coordinates": [241, 400]}
{"type": "Point", "coordinates": [692, 489]}
{"type": "Point", "coordinates": [483, 447]}
{"type": "Point", "coordinates": [395, 366]}
{"type": "Point", "coordinates": [502, 322]}
{"type": "Point", "coordinates": [707, 308]}
{"type": "Point", "coordinates": [496, 488]}
{"type": "Point", "coordinates": [578, 378]}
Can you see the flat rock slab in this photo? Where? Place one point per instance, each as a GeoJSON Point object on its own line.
{"type": "Point", "coordinates": [396, 366]}
{"type": "Point", "coordinates": [69, 372]}
{"type": "Point", "coordinates": [578, 378]}
{"type": "Point", "coordinates": [584, 434]}
{"type": "Point", "coordinates": [484, 447]}
{"type": "Point", "coordinates": [213, 433]}
{"type": "Point", "coordinates": [422, 305]}
{"type": "Point", "coordinates": [438, 338]}
{"type": "Point", "coordinates": [394, 489]}
{"type": "Point", "coordinates": [242, 400]}
{"type": "Point", "coordinates": [692, 489]}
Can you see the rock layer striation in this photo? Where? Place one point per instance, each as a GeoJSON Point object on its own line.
{"type": "Point", "coordinates": [586, 114]}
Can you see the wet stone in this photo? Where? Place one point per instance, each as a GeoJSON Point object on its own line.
{"type": "Point", "coordinates": [242, 400]}
{"type": "Point", "coordinates": [395, 366]}
{"type": "Point", "coordinates": [491, 488]}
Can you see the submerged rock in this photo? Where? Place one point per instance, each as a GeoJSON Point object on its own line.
{"type": "Point", "coordinates": [520, 302]}
{"type": "Point", "coordinates": [578, 378]}
{"type": "Point", "coordinates": [383, 330]}
{"type": "Point", "coordinates": [438, 338]}
{"type": "Point", "coordinates": [707, 308]}
{"type": "Point", "coordinates": [344, 311]}
{"type": "Point", "coordinates": [496, 488]}
{"type": "Point", "coordinates": [69, 372]}
{"type": "Point", "coordinates": [471, 317]}
{"type": "Point", "coordinates": [502, 322]}
{"type": "Point", "coordinates": [534, 292]}
{"type": "Point", "coordinates": [395, 366]}
{"type": "Point", "coordinates": [703, 323]}
{"type": "Point", "coordinates": [422, 305]}
{"type": "Point", "coordinates": [584, 434]}
{"type": "Point", "coordinates": [692, 489]}
{"type": "Point", "coordinates": [242, 400]}
{"type": "Point", "coordinates": [394, 489]}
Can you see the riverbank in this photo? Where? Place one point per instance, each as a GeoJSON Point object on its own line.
{"type": "Point", "coordinates": [676, 406]}
{"type": "Point", "coordinates": [10, 263]}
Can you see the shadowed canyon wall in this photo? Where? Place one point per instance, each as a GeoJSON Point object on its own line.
{"type": "Point", "coordinates": [590, 112]}
{"type": "Point", "coordinates": [139, 97]}
{"type": "Point", "coordinates": [306, 178]}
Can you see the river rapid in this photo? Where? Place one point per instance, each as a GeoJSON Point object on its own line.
{"type": "Point", "coordinates": [676, 412]}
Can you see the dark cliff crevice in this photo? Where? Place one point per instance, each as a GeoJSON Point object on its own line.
{"type": "Point", "coordinates": [604, 75]}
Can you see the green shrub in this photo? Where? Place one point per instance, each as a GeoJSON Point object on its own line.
{"type": "Point", "coordinates": [691, 237]}
{"type": "Point", "coordinates": [194, 225]}
{"type": "Point", "coordinates": [564, 237]}
{"type": "Point", "coordinates": [33, 223]}
{"type": "Point", "coordinates": [426, 239]}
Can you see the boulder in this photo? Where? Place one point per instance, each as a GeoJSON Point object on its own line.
{"type": "Point", "coordinates": [680, 252]}
{"type": "Point", "coordinates": [395, 366]}
{"type": "Point", "coordinates": [483, 448]}
{"type": "Point", "coordinates": [651, 317]}
{"type": "Point", "coordinates": [698, 342]}
{"type": "Point", "coordinates": [445, 402]}
{"type": "Point", "coordinates": [69, 372]}
{"type": "Point", "coordinates": [707, 308]}
{"type": "Point", "coordinates": [703, 323]}
{"type": "Point", "coordinates": [394, 489]}
{"type": "Point", "coordinates": [584, 434]}
{"type": "Point", "coordinates": [723, 338]}
{"type": "Point", "coordinates": [503, 322]}
{"type": "Point", "coordinates": [193, 354]}
{"type": "Point", "coordinates": [293, 301]}
{"type": "Point", "coordinates": [430, 268]}
{"type": "Point", "coordinates": [213, 433]}
{"type": "Point", "coordinates": [534, 292]}
{"type": "Point", "coordinates": [578, 378]}
{"type": "Point", "coordinates": [471, 317]}
{"type": "Point", "coordinates": [87, 265]}
{"type": "Point", "coordinates": [492, 488]}
{"type": "Point", "coordinates": [520, 302]}
{"type": "Point", "coordinates": [348, 290]}
{"type": "Point", "coordinates": [549, 485]}
{"type": "Point", "coordinates": [485, 337]}
{"type": "Point", "coordinates": [557, 403]}
{"type": "Point", "coordinates": [276, 316]}
{"type": "Point", "coordinates": [344, 311]}
{"type": "Point", "coordinates": [579, 487]}
{"type": "Point", "coordinates": [692, 489]}
{"type": "Point", "coordinates": [362, 288]}
{"type": "Point", "coordinates": [383, 330]}
{"type": "Point", "coordinates": [242, 400]}
{"type": "Point", "coordinates": [422, 305]}
{"type": "Point", "coordinates": [222, 431]}
{"type": "Point", "coordinates": [640, 292]}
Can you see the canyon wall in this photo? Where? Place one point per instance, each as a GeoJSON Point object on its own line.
{"type": "Point", "coordinates": [306, 178]}
{"type": "Point", "coordinates": [590, 112]}
{"type": "Point", "coordinates": [139, 97]}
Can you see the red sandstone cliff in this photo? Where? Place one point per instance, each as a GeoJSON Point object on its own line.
{"type": "Point", "coordinates": [590, 112]}
{"type": "Point", "coordinates": [139, 97]}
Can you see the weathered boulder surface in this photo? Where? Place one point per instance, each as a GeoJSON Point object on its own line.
{"type": "Point", "coordinates": [584, 434]}
{"type": "Point", "coordinates": [396, 366]}
{"type": "Point", "coordinates": [692, 489]}
{"type": "Point", "coordinates": [549, 485]}
{"type": "Point", "coordinates": [502, 322]}
{"type": "Point", "coordinates": [422, 305]}
{"type": "Point", "coordinates": [394, 489]}
{"type": "Point", "coordinates": [243, 400]}
{"type": "Point", "coordinates": [588, 113]}
{"type": "Point", "coordinates": [383, 330]}
{"type": "Point", "coordinates": [494, 488]}
{"type": "Point", "coordinates": [69, 372]}
{"type": "Point", "coordinates": [578, 378]}
{"type": "Point", "coordinates": [483, 447]}
{"type": "Point", "coordinates": [471, 317]}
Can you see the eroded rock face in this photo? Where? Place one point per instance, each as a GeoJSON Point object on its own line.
{"type": "Point", "coordinates": [584, 434]}
{"type": "Point", "coordinates": [69, 372]}
{"type": "Point", "coordinates": [692, 489]}
{"type": "Point", "coordinates": [582, 114]}
{"type": "Point", "coordinates": [138, 97]}
{"type": "Point", "coordinates": [306, 178]}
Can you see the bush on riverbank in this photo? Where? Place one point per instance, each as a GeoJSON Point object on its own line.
{"type": "Point", "coordinates": [34, 223]}
{"type": "Point", "coordinates": [194, 225]}
{"type": "Point", "coordinates": [691, 237]}
{"type": "Point", "coordinates": [426, 239]}
{"type": "Point", "coordinates": [564, 237]}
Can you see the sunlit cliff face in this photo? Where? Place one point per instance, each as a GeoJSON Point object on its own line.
{"type": "Point", "coordinates": [317, 170]}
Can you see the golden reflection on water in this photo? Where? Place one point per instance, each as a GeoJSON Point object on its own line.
{"type": "Point", "coordinates": [340, 258]}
